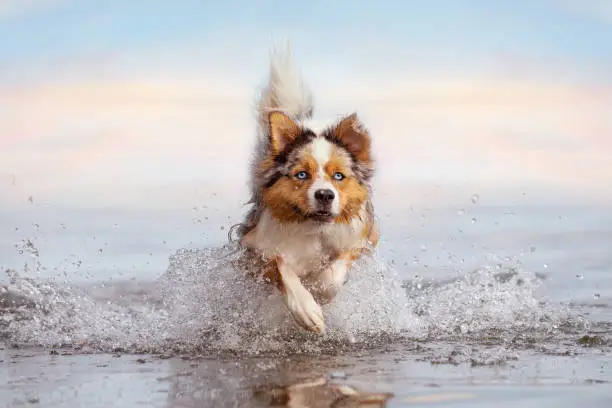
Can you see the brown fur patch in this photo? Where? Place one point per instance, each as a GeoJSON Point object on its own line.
{"type": "Point", "coordinates": [351, 255]}
{"type": "Point", "coordinates": [258, 267]}
{"type": "Point", "coordinates": [287, 199]}
{"type": "Point", "coordinates": [272, 274]}
{"type": "Point", "coordinates": [352, 134]}
{"type": "Point", "coordinates": [351, 193]}
{"type": "Point", "coordinates": [283, 131]}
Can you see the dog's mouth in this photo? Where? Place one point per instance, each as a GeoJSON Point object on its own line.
{"type": "Point", "coordinates": [322, 216]}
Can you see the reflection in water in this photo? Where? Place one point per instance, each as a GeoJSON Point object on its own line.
{"type": "Point", "coordinates": [59, 380]}
{"type": "Point", "coordinates": [262, 382]}
{"type": "Point", "coordinates": [319, 394]}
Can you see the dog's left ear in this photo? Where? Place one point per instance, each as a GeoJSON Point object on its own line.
{"type": "Point", "coordinates": [352, 134]}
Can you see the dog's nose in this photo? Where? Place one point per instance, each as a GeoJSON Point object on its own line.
{"type": "Point", "coordinates": [324, 195]}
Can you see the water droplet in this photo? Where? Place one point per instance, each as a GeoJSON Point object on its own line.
{"type": "Point", "coordinates": [474, 220]}
{"type": "Point", "coordinates": [100, 250]}
{"type": "Point", "coordinates": [460, 211]}
{"type": "Point", "coordinates": [579, 276]}
{"type": "Point", "coordinates": [545, 266]}
{"type": "Point", "coordinates": [475, 198]}
{"type": "Point", "coordinates": [596, 296]}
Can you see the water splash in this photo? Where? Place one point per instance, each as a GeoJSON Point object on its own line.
{"type": "Point", "coordinates": [239, 314]}
{"type": "Point", "coordinates": [203, 305]}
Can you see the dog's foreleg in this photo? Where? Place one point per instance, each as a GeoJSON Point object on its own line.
{"type": "Point", "coordinates": [305, 310]}
{"type": "Point", "coordinates": [335, 275]}
{"type": "Point", "coordinates": [331, 280]}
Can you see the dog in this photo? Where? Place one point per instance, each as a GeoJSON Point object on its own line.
{"type": "Point", "coordinates": [311, 212]}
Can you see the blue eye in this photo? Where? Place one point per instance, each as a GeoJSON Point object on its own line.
{"type": "Point", "coordinates": [338, 176]}
{"type": "Point", "coordinates": [302, 175]}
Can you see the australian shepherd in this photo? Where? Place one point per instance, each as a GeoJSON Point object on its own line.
{"type": "Point", "coordinates": [311, 210]}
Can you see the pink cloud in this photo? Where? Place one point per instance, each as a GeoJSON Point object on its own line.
{"type": "Point", "coordinates": [87, 139]}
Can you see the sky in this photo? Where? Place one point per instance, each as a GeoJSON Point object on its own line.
{"type": "Point", "coordinates": [149, 103]}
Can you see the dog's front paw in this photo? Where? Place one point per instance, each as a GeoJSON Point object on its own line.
{"type": "Point", "coordinates": [305, 310]}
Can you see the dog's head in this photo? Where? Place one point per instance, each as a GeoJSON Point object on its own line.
{"type": "Point", "coordinates": [320, 177]}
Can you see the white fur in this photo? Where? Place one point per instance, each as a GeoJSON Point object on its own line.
{"type": "Point", "coordinates": [286, 90]}
{"type": "Point", "coordinates": [318, 125]}
{"type": "Point", "coordinates": [332, 279]}
{"type": "Point", "coordinates": [321, 151]}
{"type": "Point", "coordinates": [305, 310]}
{"type": "Point", "coordinates": [301, 247]}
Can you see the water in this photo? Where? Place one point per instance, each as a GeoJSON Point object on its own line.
{"type": "Point", "coordinates": [518, 284]}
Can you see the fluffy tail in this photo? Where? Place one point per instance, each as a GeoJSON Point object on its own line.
{"type": "Point", "coordinates": [285, 90]}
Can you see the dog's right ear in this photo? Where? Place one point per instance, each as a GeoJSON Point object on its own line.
{"type": "Point", "coordinates": [283, 131]}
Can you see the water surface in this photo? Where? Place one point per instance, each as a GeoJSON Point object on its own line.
{"type": "Point", "coordinates": [514, 299]}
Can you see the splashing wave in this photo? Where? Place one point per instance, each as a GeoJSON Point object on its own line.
{"type": "Point", "coordinates": [203, 305]}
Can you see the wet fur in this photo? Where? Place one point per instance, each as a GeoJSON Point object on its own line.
{"type": "Point", "coordinates": [304, 244]}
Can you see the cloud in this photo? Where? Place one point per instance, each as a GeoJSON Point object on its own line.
{"type": "Point", "coordinates": [109, 138]}
{"type": "Point", "coordinates": [105, 138]}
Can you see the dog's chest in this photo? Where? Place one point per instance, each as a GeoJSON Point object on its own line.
{"type": "Point", "coordinates": [305, 247]}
